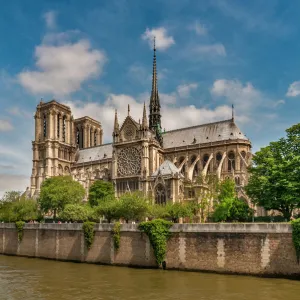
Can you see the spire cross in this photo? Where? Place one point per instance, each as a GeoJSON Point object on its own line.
{"type": "Point", "coordinates": [232, 113]}
{"type": "Point", "coordinates": [128, 109]}
{"type": "Point", "coordinates": [154, 48]}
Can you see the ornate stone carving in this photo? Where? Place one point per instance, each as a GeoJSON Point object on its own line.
{"type": "Point", "coordinates": [129, 132]}
{"type": "Point", "coordinates": [129, 162]}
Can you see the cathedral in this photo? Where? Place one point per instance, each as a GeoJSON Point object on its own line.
{"type": "Point", "coordinates": [164, 165]}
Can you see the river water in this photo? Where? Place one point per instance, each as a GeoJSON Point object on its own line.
{"type": "Point", "coordinates": [37, 279]}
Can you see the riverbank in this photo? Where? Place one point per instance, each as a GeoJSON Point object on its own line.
{"type": "Point", "coordinates": [261, 249]}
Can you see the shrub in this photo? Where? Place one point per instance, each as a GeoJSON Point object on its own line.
{"type": "Point", "coordinates": [158, 233]}
{"type": "Point", "coordinates": [296, 237]}
{"type": "Point", "coordinates": [116, 235]}
{"type": "Point", "coordinates": [20, 229]}
{"type": "Point", "coordinates": [89, 233]}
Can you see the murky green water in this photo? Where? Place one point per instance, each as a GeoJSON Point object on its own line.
{"type": "Point", "coordinates": [25, 278]}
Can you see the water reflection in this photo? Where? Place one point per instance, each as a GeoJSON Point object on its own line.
{"type": "Point", "coordinates": [25, 278]}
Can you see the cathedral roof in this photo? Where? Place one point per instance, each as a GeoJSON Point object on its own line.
{"type": "Point", "coordinates": [166, 168]}
{"type": "Point", "coordinates": [95, 153]}
{"type": "Point", "coordinates": [200, 134]}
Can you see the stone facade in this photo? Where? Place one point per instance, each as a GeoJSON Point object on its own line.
{"type": "Point", "coordinates": [256, 249]}
{"type": "Point", "coordinates": [162, 164]}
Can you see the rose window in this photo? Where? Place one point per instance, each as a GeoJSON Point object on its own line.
{"type": "Point", "coordinates": [129, 162]}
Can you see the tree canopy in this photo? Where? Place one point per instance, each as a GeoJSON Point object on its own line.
{"type": "Point", "coordinates": [99, 190]}
{"type": "Point", "coordinates": [57, 192]}
{"type": "Point", "coordinates": [275, 174]}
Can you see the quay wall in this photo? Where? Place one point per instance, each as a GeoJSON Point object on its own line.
{"type": "Point", "coordinates": [255, 249]}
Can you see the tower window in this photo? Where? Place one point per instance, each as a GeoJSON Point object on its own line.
{"type": "Point", "coordinates": [64, 128]}
{"type": "Point", "coordinates": [77, 136]}
{"type": "Point", "coordinates": [91, 137]}
{"type": "Point", "coordinates": [231, 161]}
{"type": "Point", "coordinates": [95, 138]}
{"type": "Point", "coordinates": [58, 125]}
{"type": "Point", "coordinates": [45, 125]}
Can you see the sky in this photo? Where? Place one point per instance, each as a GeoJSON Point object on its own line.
{"type": "Point", "coordinates": [96, 56]}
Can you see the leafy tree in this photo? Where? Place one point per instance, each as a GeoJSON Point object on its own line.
{"type": "Point", "coordinates": [178, 210]}
{"type": "Point", "coordinates": [133, 206]}
{"type": "Point", "coordinates": [110, 209]}
{"type": "Point", "coordinates": [57, 192]}
{"type": "Point", "coordinates": [100, 190]}
{"type": "Point", "coordinates": [275, 174]}
{"type": "Point", "coordinates": [232, 209]}
{"type": "Point", "coordinates": [11, 196]}
{"type": "Point", "coordinates": [77, 212]}
{"type": "Point", "coordinates": [226, 189]}
{"type": "Point", "coordinates": [157, 211]}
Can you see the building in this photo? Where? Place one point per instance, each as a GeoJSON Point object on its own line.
{"type": "Point", "coordinates": [164, 165]}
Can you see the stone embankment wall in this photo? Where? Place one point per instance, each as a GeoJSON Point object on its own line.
{"type": "Point", "coordinates": [257, 249]}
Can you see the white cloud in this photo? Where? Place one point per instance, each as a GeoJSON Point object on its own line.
{"type": "Point", "coordinates": [184, 90]}
{"type": "Point", "coordinates": [167, 99]}
{"type": "Point", "coordinates": [211, 50]}
{"type": "Point", "coordinates": [5, 125]}
{"type": "Point", "coordinates": [198, 28]}
{"type": "Point", "coordinates": [162, 40]}
{"type": "Point", "coordinates": [50, 19]}
{"type": "Point", "coordinates": [294, 89]}
{"type": "Point", "coordinates": [10, 182]}
{"type": "Point", "coordinates": [61, 69]}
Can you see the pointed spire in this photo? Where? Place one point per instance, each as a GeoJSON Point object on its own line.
{"type": "Point", "coordinates": [116, 124]}
{"type": "Point", "coordinates": [232, 113]}
{"type": "Point", "coordinates": [128, 109]}
{"type": "Point", "coordinates": [154, 116]}
{"type": "Point", "coordinates": [144, 120]}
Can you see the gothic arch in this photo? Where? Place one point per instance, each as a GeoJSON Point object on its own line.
{"type": "Point", "coordinates": [231, 161]}
{"type": "Point", "coordinates": [60, 170]}
{"type": "Point", "coordinates": [160, 194]}
{"type": "Point", "coordinates": [67, 170]}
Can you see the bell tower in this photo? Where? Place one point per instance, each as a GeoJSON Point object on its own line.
{"type": "Point", "coordinates": [54, 144]}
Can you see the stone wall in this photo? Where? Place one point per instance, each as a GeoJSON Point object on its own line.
{"type": "Point", "coordinates": [257, 249]}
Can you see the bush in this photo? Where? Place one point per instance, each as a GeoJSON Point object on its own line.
{"type": "Point", "coordinates": [20, 228]}
{"type": "Point", "coordinates": [116, 235]}
{"type": "Point", "coordinates": [99, 191]}
{"type": "Point", "coordinates": [296, 237]}
{"type": "Point", "coordinates": [89, 233]}
{"type": "Point", "coordinates": [158, 232]}
{"type": "Point", "coordinates": [110, 209]}
{"type": "Point", "coordinates": [157, 211]}
{"type": "Point", "coordinates": [76, 212]}
{"type": "Point", "coordinates": [178, 210]}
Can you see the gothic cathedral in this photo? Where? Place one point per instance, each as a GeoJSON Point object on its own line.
{"type": "Point", "coordinates": [163, 164]}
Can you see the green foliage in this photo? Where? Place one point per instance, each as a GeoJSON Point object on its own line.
{"type": "Point", "coordinates": [11, 196]}
{"type": "Point", "coordinates": [275, 175]}
{"type": "Point", "coordinates": [269, 219]}
{"type": "Point", "coordinates": [89, 233]}
{"type": "Point", "coordinates": [232, 209]}
{"type": "Point", "coordinates": [157, 211]}
{"type": "Point", "coordinates": [110, 209]}
{"type": "Point", "coordinates": [76, 212]}
{"type": "Point", "coordinates": [25, 210]}
{"type": "Point", "coordinates": [20, 228]}
{"type": "Point", "coordinates": [226, 189]}
{"type": "Point", "coordinates": [100, 190]}
{"type": "Point", "coordinates": [158, 232]}
{"type": "Point", "coordinates": [57, 192]}
{"type": "Point", "coordinates": [133, 206]}
{"type": "Point", "coordinates": [116, 235]}
{"type": "Point", "coordinates": [178, 210]}
{"type": "Point", "coordinates": [296, 237]}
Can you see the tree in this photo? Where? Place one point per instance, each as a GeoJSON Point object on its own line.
{"type": "Point", "coordinates": [11, 196]}
{"type": "Point", "coordinates": [57, 192]}
{"type": "Point", "coordinates": [133, 206]}
{"type": "Point", "coordinates": [99, 190]}
{"type": "Point", "coordinates": [178, 210]}
{"type": "Point", "coordinates": [110, 209]}
{"type": "Point", "coordinates": [226, 189]}
{"type": "Point", "coordinates": [76, 212]}
{"type": "Point", "coordinates": [275, 174]}
{"type": "Point", "coordinates": [157, 211]}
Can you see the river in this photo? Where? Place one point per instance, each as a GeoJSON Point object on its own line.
{"type": "Point", "coordinates": [37, 279]}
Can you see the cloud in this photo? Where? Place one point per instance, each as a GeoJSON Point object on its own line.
{"type": "Point", "coordinates": [184, 90]}
{"type": "Point", "coordinates": [61, 69]}
{"type": "Point", "coordinates": [162, 40]}
{"type": "Point", "coordinates": [198, 28]}
{"type": "Point", "coordinates": [5, 125]}
{"type": "Point", "coordinates": [167, 99]}
{"type": "Point", "coordinates": [13, 182]}
{"type": "Point", "coordinates": [50, 19]}
{"type": "Point", "coordinates": [18, 112]}
{"type": "Point", "coordinates": [217, 49]}
{"type": "Point", "coordinates": [294, 89]}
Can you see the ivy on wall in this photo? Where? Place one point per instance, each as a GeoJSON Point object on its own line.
{"type": "Point", "coordinates": [296, 237]}
{"type": "Point", "coordinates": [116, 235]}
{"type": "Point", "coordinates": [89, 233]}
{"type": "Point", "coordinates": [158, 232]}
{"type": "Point", "coordinates": [20, 229]}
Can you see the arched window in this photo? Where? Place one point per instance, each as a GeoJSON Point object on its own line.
{"type": "Point", "coordinates": [95, 138]}
{"type": "Point", "coordinates": [218, 158]}
{"type": "Point", "coordinates": [160, 194]}
{"type": "Point", "coordinates": [60, 170]}
{"type": "Point", "coordinates": [45, 125]}
{"type": "Point", "coordinates": [58, 125]}
{"type": "Point", "coordinates": [64, 128]}
{"type": "Point", "coordinates": [182, 171]}
{"type": "Point", "coordinates": [205, 160]}
{"type": "Point", "coordinates": [231, 161]}
{"type": "Point", "coordinates": [77, 136]}
{"type": "Point", "coordinates": [243, 153]}
{"type": "Point", "coordinates": [91, 137]}
{"type": "Point", "coordinates": [237, 180]}
{"type": "Point", "coordinates": [196, 169]}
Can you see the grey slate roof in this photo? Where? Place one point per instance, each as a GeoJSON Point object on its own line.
{"type": "Point", "coordinates": [206, 133]}
{"type": "Point", "coordinates": [166, 168]}
{"type": "Point", "coordinates": [95, 153]}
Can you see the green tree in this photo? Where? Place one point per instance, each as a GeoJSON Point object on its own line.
{"type": "Point", "coordinates": [110, 209]}
{"type": "Point", "coordinates": [178, 210]}
{"type": "Point", "coordinates": [157, 211]}
{"type": "Point", "coordinates": [76, 212]}
{"type": "Point", "coordinates": [11, 196]}
{"type": "Point", "coordinates": [133, 206]}
{"type": "Point", "coordinates": [100, 190]}
{"type": "Point", "coordinates": [57, 192]}
{"type": "Point", "coordinates": [275, 174]}
{"type": "Point", "coordinates": [226, 189]}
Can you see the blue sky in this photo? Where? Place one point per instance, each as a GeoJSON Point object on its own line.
{"type": "Point", "coordinates": [96, 56]}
